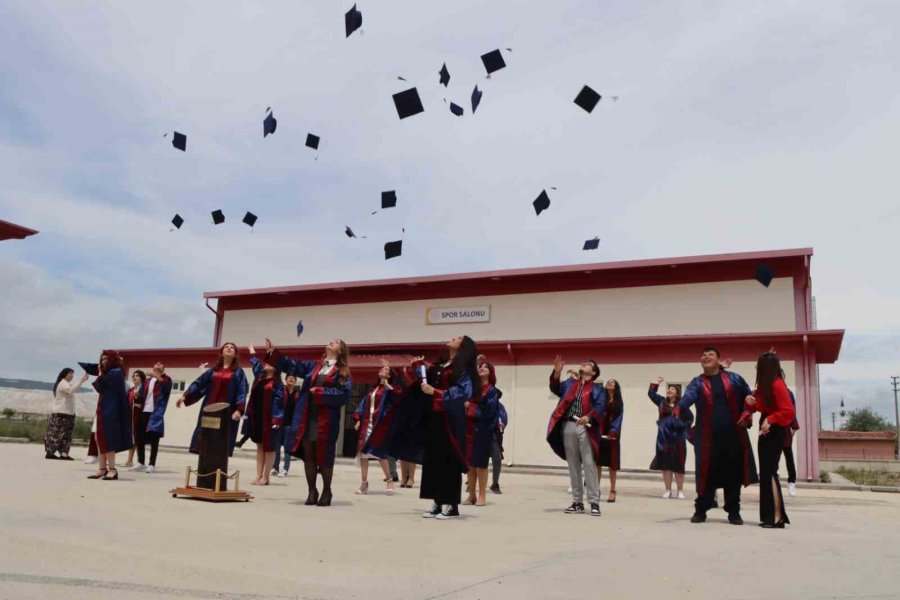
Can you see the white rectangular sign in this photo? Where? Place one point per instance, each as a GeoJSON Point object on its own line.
{"type": "Point", "coordinates": [468, 314]}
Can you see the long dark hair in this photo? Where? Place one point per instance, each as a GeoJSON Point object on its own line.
{"type": "Point", "coordinates": [143, 377]}
{"type": "Point", "coordinates": [342, 362]}
{"type": "Point", "coordinates": [220, 364]}
{"type": "Point", "coordinates": [768, 369]}
{"type": "Point", "coordinates": [62, 375]}
{"type": "Point", "coordinates": [465, 362]}
{"type": "Point", "coordinates": [617, 403]}
{"type": "Point", "coordinates": [113, 361]}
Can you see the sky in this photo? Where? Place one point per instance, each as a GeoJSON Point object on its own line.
{"type": "Point", "coordinates": [738, 127]}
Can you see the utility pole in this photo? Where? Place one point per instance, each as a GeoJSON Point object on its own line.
{"type": "Point", "coordinates": [895, 384]}
{"type": "Point", "coordinates": [833, 417]}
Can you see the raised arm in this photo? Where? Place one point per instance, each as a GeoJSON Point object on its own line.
{"type": "Point", "coordinates": [199, 388]}
{"type": "Point", "coordinates": [655, 398]}
{"type": "Point", "coordinates": [257, 366]}
{"type": "Point", "coordinates": [289, 366]}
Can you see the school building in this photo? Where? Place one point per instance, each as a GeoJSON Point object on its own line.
{"type": "Point", "coordinates": [638, 319]}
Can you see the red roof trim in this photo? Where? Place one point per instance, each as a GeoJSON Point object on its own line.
{"type": "Point", "coordinates": [10, 231]}
{"type": "Point", "coordinates": [887, 434]}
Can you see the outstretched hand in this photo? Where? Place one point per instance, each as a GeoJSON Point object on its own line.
{"type": "Point", "coordinates": [251, 349]}
{"type": "Point", "coordinates": [659, 380]}
{"type": "Point", "coordinates": [270, 347]}
{"type": "Point", "coordinates": [558, 364]}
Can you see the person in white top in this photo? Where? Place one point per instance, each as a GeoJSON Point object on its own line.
{"type": "Point", "coordinates": [151, 425]}
{"type": "Point", "coordinates": [62, 415]}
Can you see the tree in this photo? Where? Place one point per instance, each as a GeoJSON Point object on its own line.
{"type": "Point", "coordinates": [865, 419]}
{"type": "Point", "coordinates": [9, 413]}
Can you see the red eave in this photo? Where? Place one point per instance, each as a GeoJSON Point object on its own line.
{"type": "Point", "coordinates": [887, 434]}
{"type": "Point", "coordinates": [11, 231]}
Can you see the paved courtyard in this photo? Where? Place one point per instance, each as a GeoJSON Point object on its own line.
{"type": "Point", "coordinates": [64, 536]}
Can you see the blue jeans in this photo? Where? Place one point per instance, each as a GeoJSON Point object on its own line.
{"type": "Point", "coordinates": [284, 437]}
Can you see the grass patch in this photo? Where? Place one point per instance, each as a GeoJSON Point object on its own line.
{"type": "Point", "coordinates": [36, 429]}
{"type": "Point", "coordinates": [867, 477]}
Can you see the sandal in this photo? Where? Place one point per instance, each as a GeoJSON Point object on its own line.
{"type": "Point", "coordinates": [99, 474]}
{"type": "Point", "coordinates": [363, 489]}
{"type": "Point", "coordinates": [611, 497]}
{"type": "Point", "coordinates": [113, 478]}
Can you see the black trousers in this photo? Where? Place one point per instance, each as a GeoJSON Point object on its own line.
{"type": "Point", "coordinates": [725, 471]}
{"type": "Point", "coordinates": [789, 463]}
{"type": "Point", "coordinates": [770, 448]}
{"type": "Point", "coordinates": [143, 437]}
{"type": "Point", "coordinates": [441, 473]}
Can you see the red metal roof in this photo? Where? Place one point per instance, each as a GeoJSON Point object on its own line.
{"type": "Point", "coordinates": [10, 231]}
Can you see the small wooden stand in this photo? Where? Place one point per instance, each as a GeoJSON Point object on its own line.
{"type": "Point", "coordinates": [217, 494]}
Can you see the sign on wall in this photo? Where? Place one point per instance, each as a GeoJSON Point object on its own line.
{"type": "Point", "coordinates": [467, 314]}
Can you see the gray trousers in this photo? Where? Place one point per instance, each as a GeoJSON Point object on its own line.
{"type": "Point", "coordinates": [392, 467]}
{"type": "Point", "coordinates": [582, 468]}
{"type": "Point", "coordinates": [496, 461]}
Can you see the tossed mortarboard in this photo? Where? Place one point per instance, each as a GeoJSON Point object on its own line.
{"type": "Point", "coordinates": [764, 274]}
{"type": "Point", "coordinates": [250, 219]}
{"type": "Point", "coordinates": [218, 217]}
{"type": "Point", "coordinates": [445, 75]}
{"type": "Point", "coordinates": [476, 98]}
{"type": "Point", "coordinates": [388, 199]}
{"type": "Point", "coordinates": [587, 98]}
{"type": "Point", "coordinates": [393, 249]}
{"type": "Point", "coordinates": [456, 109]}
{"type": "Point", "coordinates": [592, 244]}
{"type": "Point", "coordinates": [177, 221]}
{"type": "Point", "coordinates": [299, 328]}
{"type": "Point", "coordinates": [408, 103]}
{"type": "Point", "coordinates": [352, 20]}
{"type": "Point", "coordinates": [269, 124]}
{"type": "Point", "coordinates": [349, 232]}
{"type": "Point", "coordinates": [312, 141]}
{"type": "Point", "coordinates": [541, 203]}
{"type": "Point", "coordinates": [179, 140]}
{"type": "Point", "coordinates": [493, 61]}
{"type": "Point", "coordinates": [90, 368]}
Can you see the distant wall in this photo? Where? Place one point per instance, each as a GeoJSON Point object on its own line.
{"type": "Point", "coordinates": [38, 401]}
{"type": "Point", "coordinates": [870, 465]}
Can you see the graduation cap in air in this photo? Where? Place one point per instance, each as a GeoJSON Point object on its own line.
{"type": "Point", "coordinates": [493, 61]}
{"type": "Point", "coordinates": [541, 203]}
{"type": "Point", "coordinates": [299, 328]}
{"type": "Point", "coordinates": [312, 141]}
{"type": "Point", "coordinates": [764, 274]}
{"type": "Point", "coordinates": [179, 140]}
{"type": "Point", "coordinates": [591, 244]}
{"type": "Point", "coordinates": [351, 234]}
{"type": "Point", "coordinates": [456, 109]}
{"type": "Point", "coordinates": [250, 219]}
{"type": "Point", "coordinates": [218, 217]}
{"type": "Point", "coordinates": [352, 20]}
{"type": "Point", "coordinates": [476, 98]}
{"type": "Point", "coordinates": [90, 368]}
{"type": "Point", "coordinates": [177, 221]}
{"type": "Point", "coordinates": [269, 124]}
{"type": "Point", "coordinates": [393, 249]}
{"type": "Point", "coordinates": [587, 98]}
{"type": "Point", "coordinates": [408, 103]}
{"type": "Point", "coordinates": [445, 75]}
{"type": "Point", "coordinates": [388, 199]}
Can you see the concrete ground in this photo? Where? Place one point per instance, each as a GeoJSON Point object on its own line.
{"type": "Point", "coordinates": [64, 536]}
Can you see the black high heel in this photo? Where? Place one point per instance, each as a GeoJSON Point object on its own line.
{"type": "Point", "coordinates": [113, 478]}
{"type": "Point", "coordinates": [313, 498]}
{"type": "Point", "coordinates": [99, 474]}
{"type": "Point", "coordinates": [325, 500]}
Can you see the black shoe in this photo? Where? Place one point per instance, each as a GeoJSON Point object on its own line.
{"type": "Point", "coordinates": [325, 500]}
{"type": "Point", "coordinates": [577, 507]}
{"type": "Point", "coordinates": [735, 519]}
{"type": "Point", "coordinates": [395, 479]}
{"type": "Point", "coordinates": [113, 478]}
{"type": "Point", "coordinates": [496, 489]}
{"type": "Point", "coordinates": [66, 457]}
{"type": "Point", "coordinates": [595, 509]}
{"type": "Point", "coordinates": [435, 511]}
{"type": "Point", "coordinates": [451, 511]}
{"type": "Point", "coordinates": [50, 456]}
{"type": "Point", "coordinates": [699, 517]}
{"type": "Point", "coordinates": [313, 498]}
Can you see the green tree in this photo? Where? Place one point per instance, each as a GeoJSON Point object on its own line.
{"type": "Point", "coordinates": [865, 419]}
{"type": "Point", "coordinates": [9, 413]}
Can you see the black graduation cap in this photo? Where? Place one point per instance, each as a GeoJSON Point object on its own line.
{"type": "Point", "coordinates": [493, 61]}
{"type": "Point", "coordinates": [352, 20]}
{"type": "Point", "coordinates": [177, 221]}
{"type": "Point", "coordinates": [408, 103]}
{"type": "Point", "coordinates": [764, 274]}
{"type": "Point", "coordinates": [541, 203]}
{"type": "Point", "coordinates": [587, 98]}
{"type": "Point", "coordinates": [476, 98]}
{"type": "Point", "coordinates": [349, 232]}
{"type": "Point", "coordinates": [456, 109]}
{"type": "Point", "coordinates": [388, 199]}
{"type": "Point", "coordinates": [445, 75]}
{"type": "Point", "coordinates": [250, 219]}
{"type": "Point", "coordinates": [90, 368]}
{"type": "Point", "coordinates": [299, 328]}
{"type": "Point", "coordinates": [591, 244]}
{"type": "Point", "coordinates": [393, 249]}
{"type": "Point", "coordinates": [269, 124]}
{"type": "Point", "coordinates": [218, 217]}
{"type": "Point", "coordinates": [179, 140]}
{"type": "Point", "coordinates": [312, 141]}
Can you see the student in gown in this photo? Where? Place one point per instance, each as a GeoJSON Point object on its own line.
{"type": "Point", "coordinates": [368, 414]}
{"type": "Point", "coordinates": [264, 415]}
{"type": "Point", "coordinates": [773, 401]}
{"type": "Point", "coordinates": [671, 436]}
{"type": "Point", "coordinates": [575, 428]}
{"type": "Point", "coordinates": [136, 404]}
{"type": "Point", "coordinates": [151, 426]}
{"type": "Point", "coordinates": [481, 419]}
{"type": "Point", "coordinates": [317, 415]}
{"type": "Point", "coordinates": [722, 452]}
{"type": "Point", "coordinates": [497, 448]}
{"type": "Point", "coordinates": [224, 382]}
{"type": "Point", "coordinates": [610, 450]}
{"type": "Point", "coordinates": [61, 423]}
{"type": "Point", "coordinates": [113, 420]}
{"type": "Point", "coordinates": [287, 430]}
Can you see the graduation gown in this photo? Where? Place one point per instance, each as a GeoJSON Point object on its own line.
{"type": "Point", "coordinates": [161, 392]}
{"type": "Point", "coordinates": [368, 415]}
{"type": "Point", "coordinates": [136, 407]}
{"type": "Point", "coordinates": [113, 412]}
{"type": "Point", "coordinates": [610, 454]}
{"type": "Point", "coordinates": [593, 405]}
{"type": "Point", "coordinates": [213, 386]}
{"type": "Point", "coordinates": [671, 434]}
{"type": "Point", "coordinates": [481, 421]}
{"type": "Point", "coordinates": [266, 408]}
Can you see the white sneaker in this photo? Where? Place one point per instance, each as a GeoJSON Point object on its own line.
{"type": "Point", "coordinates": [91, 460]}
{"type": "Point", "coordinates": [667, 495]}
{"type": "Point", "coordinates": [568, 490]}
{"type": "Point", "coordinates": [150, 469]}
{"type": "Point", "coordinates": [681, 495]}
{"type": "Point", "coordinates": [435, 511]}
{"type": "Point", "coordinates": [281, 474]}
{"type": "Point", "coordinates": [274, 472]}
{"type": "Point", "coordinates": [792, 489]}
{"type": "Point", "coordinates": [138, 468]}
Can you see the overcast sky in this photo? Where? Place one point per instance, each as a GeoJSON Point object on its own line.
{"type": "Point", "coordinates": [739, 126]}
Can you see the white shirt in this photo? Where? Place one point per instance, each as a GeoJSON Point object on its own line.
{"type": "Point", "coordinates": [148, 403]}
{"type": "Point", "coordinates": [64, 399]}
{"type": "Point", "coordinates": [327, 366]}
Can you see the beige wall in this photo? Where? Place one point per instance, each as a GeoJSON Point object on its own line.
{"type": "Point", "coordinates": [723, 307]}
